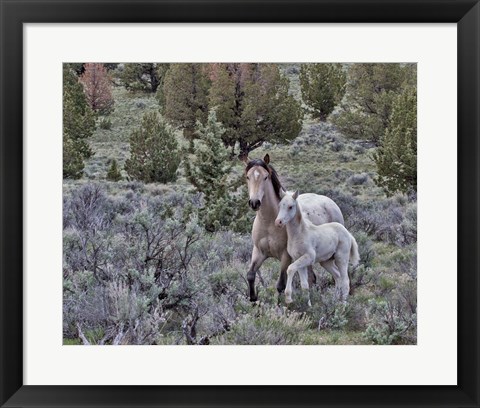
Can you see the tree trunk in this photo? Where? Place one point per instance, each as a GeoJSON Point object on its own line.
{"type": "Point", "coordinates": [244, 150]}
{"type": "Point", "coordinates": [154, 80]}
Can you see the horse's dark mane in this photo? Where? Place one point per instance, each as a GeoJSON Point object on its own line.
{"type": "Point", "coordinates": [277, 186]}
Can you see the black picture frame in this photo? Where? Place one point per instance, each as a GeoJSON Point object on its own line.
{"type": "Point", "coordinates": [14, 13]}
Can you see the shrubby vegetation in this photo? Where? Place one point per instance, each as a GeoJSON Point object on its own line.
{"type": "Point", "coordinates": [147, 261]}
{"type": "Point", "coordinates": [139, 269]}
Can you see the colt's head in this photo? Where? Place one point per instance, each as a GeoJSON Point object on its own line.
{"type": "Point", "coordinates": [287, 208]}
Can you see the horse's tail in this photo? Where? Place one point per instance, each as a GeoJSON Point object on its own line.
{"type": "Point", "coordinates": [354, 255]}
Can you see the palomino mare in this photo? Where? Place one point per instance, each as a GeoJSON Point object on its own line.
{"type": "Point", "coordinates": [264, 189]}
{"type": "Point", "coordinates": [329, 244]}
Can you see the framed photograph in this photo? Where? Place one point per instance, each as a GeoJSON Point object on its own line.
{"type": "Point", "coordinates": [239, 203]}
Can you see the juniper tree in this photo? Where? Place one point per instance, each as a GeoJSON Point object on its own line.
{"type": "Point", "coordinates": [73, 164]}
{"type": "Point", "coordinates": [323, 87]}
{"type": "Point", "coordinates": [162, 70]}
{"type": "Point", "coordinates": [226, 96]}
{"type": "Point", "coordinates": [254, 104]}
{"type": "Point", "coordinates": [396, 158]}
{"type": "Point", "coordinates": [371, 91]}
{"type": "Point", "coordinates": [185, 96]}
{"type": "Point", "coordinates": [77, 67]}
{"type": "Point", "coordinates": [154, 152]}
{"type": "Point", "coordinates": [78, 125]}
{"type": "Point", "coordinates": [143, 77]}
{"type": "Point", "coordinates": [209, 171]}
{"type": "Point", "coordinates": [113, 173]}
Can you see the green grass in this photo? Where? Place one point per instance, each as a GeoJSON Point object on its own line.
{"type": "Point", "coordinates": [128, 112]}
{"type": "Point", "coordinates": [71, 342]}
{"type": "Point", "coordinates": [334, 337]}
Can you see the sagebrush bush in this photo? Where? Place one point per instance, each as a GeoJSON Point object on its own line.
{"type": "Point", "coordinates": [391, 321]}
{"type": "Point", "coordinates": [139, 269]}
{"type": "Point", "coordinates": [124, 263]}
{"type": "Point", "coordinates": [386, 220]}
{"type": "Point", "coordinates": [337, 146]}
{"type": "Point", "coordinates": [358, 179]}
{"type": "Point", "coordinates": [267, 326]}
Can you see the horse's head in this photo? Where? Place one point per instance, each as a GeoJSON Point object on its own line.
{"type": "Point", "coordinates": [258, 173]}
{"type": "Point", "coordinates": [287, 208]}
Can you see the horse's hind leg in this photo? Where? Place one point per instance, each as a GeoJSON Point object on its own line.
{"type": "Point", "coordinates": [342, 264]}
{"type": "Point", "coordinates": [340, 274]}
{"type": "Point", "coordinates": [333, 270]}
{"type": "Point", "coordinates": [257, 260]}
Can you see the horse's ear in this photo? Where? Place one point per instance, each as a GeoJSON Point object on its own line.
{"type": "Point", "coordinates": [295, 195]}
{"type": "Point", "coordinates": [282, 193]}
{"type": "Point", "coordinates": [266, 159]}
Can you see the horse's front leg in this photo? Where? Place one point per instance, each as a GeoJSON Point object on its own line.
{"type": "Point", "coordinates": [285, 261]}
{"type": "Point", "coordinates": [301, 263]}
{"type": "Point", "coordinates": [257, 260]}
